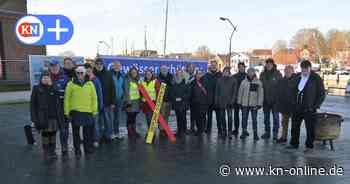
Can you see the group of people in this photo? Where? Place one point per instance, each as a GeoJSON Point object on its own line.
{"type": "Point", "coordinates": [92, 97]}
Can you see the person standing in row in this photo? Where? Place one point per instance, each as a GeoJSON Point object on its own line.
{"type": "Point", "coordinates": [118, 80]}
{"type": "Point", "coordinates": [239, 76]}
{"type": "Point", "coordinates": [250, 98]}
{"type": "Point", "coordinates": [132, 101]}
{"type": "Point", "coordinates": [98, 87]}
{"type": "Point", "coordinates": [165, 77]}
{"type": "Point", "coordinates": [152, 86]}
{"type": "Point", "coordinates": [284, 101]}
{"type": "Point", "coordinates": [211, 79]}
{"type": "Point", "coordinates": [179, 96]}
{"type": "Point", "coordinates": [80, 104]}
{"type": "Point", "coordinates": [109, 99]}
{"type": "Point", "coordinates": [69, 67]}
{"type": "Point", "coordinates": [189, 75]}
{"type": "Point", "coordinates": [270, 78]}
{"type": "Point", "coordinates": [225, 94]}
{"type": "Point", "coordinates": [308, 96]}
{"type": "Point", "coordinates": [45, 111]}
{"type": "Point", "coordinates": [199, 101]}
{"type": "Point", "coordinates": [59, 81]}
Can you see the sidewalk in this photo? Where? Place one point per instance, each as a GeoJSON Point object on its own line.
{"type": "Point", "coordinates": [14, 97]}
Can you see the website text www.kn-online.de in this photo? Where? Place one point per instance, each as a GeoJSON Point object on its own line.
{"type": "Point", "coordinates": [227, 170]}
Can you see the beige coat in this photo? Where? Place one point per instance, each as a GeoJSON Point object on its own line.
{"type": "Point", "coordinates": [251, 94]}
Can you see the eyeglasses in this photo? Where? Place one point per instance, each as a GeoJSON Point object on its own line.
{"type": "Point", "coordinates": [80, 73]}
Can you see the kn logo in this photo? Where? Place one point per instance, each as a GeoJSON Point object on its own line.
{"type": "Point", "coordinates": [44, 29]}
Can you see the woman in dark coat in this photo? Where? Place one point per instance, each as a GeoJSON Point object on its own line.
{"type": "Point", "coordinates": [179, 96]}
{"type": "Point", "coordinates": [44, 110]}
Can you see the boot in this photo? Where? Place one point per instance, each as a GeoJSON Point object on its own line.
{"type": "Point", "coordinates": [256, 137]}
{"type": "Point", "coordinates": [244, 134]}
{"type": "Point", "coordinates": [235, 133]}
{"type": "Point", "coordinates": [281, 140]}
{"type": "Point", "coordinates": [52, 151]}
{"type": "Point", "coordinates": [266, 135]}
{"type": "Point", "coordinates": [64, 151]}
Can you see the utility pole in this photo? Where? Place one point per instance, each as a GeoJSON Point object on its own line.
{"type": "Point", "coordinates": [166, 27]}
{"type": "Point", "coordinates": [145, 42]}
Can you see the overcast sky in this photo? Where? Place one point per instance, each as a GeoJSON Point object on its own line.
{"type": "Point", "coordinates": [191, 22]}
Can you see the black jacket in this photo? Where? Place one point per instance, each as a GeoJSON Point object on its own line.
{"type": "Point", "coordinates": [198, 96]}
{"type": "Point", "coordinates": [44, 105]}
{"type": "Point", "coordinates": [270, 80]}
{"type": "Point", "coordinates": [314, 93]}
{"type": "Point", "coordinates": [169, 81]}
{"type": "Point", "coordinates": [210, 80]}
{"type": "Point", "coordinates": [108, 88]}
{"type": "Point", "coordinates": [225, 92]}
{"type": "Point", "coordinates": [179, 95]}
{"type": "Point", "coordinates": [285, 95]}
{"type": "Point", "coordinates": [239, 78]}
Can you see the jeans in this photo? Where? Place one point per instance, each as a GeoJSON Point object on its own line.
{"type": "Point", "coordinates": [229, 118]}
{"type": "Point", "coordinates": [275, 115]}
{"type": "Point", "coordinates": [117, 116]}
{"type": "Point", "coordinates": [297, 119]}
{"type": "Point", "coordinates": [64, 134]}
{"type": "Point", "coordinates": [245, 115]}
{"type": "Point", "coordinates": [105, 123]}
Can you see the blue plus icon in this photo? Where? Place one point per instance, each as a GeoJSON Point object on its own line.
{"type": "Point", "coordinates": [57, 29]}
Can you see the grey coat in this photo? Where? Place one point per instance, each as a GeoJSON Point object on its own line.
{"type": "Point", "coordinates": [251, 93]}
{"type": "Point", "coordinates": [225, 92]}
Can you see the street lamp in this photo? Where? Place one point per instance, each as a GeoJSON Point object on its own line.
{"type": "Point", "coordinates": [98, 46]}
{"type": "Point", "coordinates": [234, 30]}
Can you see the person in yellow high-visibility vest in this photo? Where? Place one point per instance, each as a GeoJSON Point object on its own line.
{"type": "Point", "coordinates": [152, 86]}
{"type": "Point", "coordinates": [132, 101]}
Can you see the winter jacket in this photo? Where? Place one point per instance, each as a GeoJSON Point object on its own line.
{"type": "Point", "coordinates": [60, 82]}
{"type": "Point", "coordinates": [44, 105]}
{"type": "Point", "coordinates": [119, 80]}
{"type": "Point", "coordinates": [98, 88]}
{"type": "Point", "coordinates": [251, 93]}
{"type": "Point", "coordinates": [108, 88]}
{"type": "Point", "coordinates": [144, 105]}
{"type": "Point", "coordinates": [285, 95]}
{"type": "Point", "coordinates": [179, 95]}
{"type": "Point", "coordinates": [130, 105]}
{"type": "Point", "coordinates": [169, 81]}
{"type": "Point", "coordinates": [314, 93]}
{"type": "Point", "coordinates": [225, 92]}
{"type": "Point", "coordinates": [188, 77]}
{"type": "Point", "coordinates": [198, 96]}
{"type": "Point", "coordinates": [239, 78]}
{"type": "Point", "coordinates": [80, 97]}
{"type": "Point", "coordinates": [210, 79]}
{"type": "Point", "coordinates": [270, 81]}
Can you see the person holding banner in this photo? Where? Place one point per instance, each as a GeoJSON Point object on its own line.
{"type": "Point", "coordinates": [45, 111]}
{"type": "Point", "coordinates": [199, 102]}
{"type": "Point", "coordinates": [165, 77]}
{"type": "Point", "coordinates": [179, 96]}
{"type": "Point", "coordinates": [152, 86]}
{"type": "Point", "coordinates": [59, 81]}
{"type": "Point", "coordinates": [132, 101]}
{"type": "Point", "coordinates": [109, 99]}
{"type": "Point", "coordinates": [118, 80]}
{"type": "Point", "coordinates": [80, 104]}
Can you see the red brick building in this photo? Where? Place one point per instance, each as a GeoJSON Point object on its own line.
{"type": "Point", "coordinates": [13, 54]}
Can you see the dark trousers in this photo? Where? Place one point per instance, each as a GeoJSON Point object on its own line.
{"type": "Point", "coordinates": [148, 116]}
{"type": "Point", "coordinates": [193, 119]}
{"type": "Point", "coordinates": [200, 117]}
{"type": "Point", "coordinates": [275, 116]}
{"type": "Point", "coordinates": [131, 124]}
{"type": "Point", "coordinates": [210, 118]}
{"type": "Point", "coordinates": [88, 137]}
{"type": "Point", "coordinates": [229, 118]}
{"type": "Point", "coordinates": [297, 119]}
{"type": "Point", "coordinates": [221, 115]}
{"type": "Point", "coordinates": [181, 120]}
{"type": "Point", "coordinates": [245, 115]}
{"type": "Point", "coordinates": [236, 116]}
{"type": "Point", "coordinates": [48, 141]}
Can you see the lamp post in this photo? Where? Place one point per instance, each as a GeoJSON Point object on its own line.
{"type": "Point", "coordinates": [233, 31]}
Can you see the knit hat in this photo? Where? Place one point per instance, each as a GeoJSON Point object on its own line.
{"type": "Point", "coordinates": [251, 70]}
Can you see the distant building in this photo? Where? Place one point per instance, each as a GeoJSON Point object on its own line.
{"type": "Point", "coordinates": [287, 57]}
{"type": "Point", "coordinates": [14, 54]}
{"type": "Point", "coordinates": [144, 53]}
{"type": "Point", "coordinates": [185, 55]}
{"type": "Point", "coordinates": [258, 56]}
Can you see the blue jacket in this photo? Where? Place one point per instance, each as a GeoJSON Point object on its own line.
{"type": "Point", "coordinates": [60, 83]}
{"type": "Point", "coordinates": [99, 93]}
{"type": "Point", "coordinates": [119, 86]}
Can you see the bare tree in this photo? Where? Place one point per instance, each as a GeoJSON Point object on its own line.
{"type": "Point", "coordinates": [337, 41]}
{"type": "Point", "coordinates": [312, 39]}
{"type": "Point", "coordinates": [203, 51]}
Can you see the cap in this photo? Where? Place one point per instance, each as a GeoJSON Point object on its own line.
{"type": "Point", "coordinates": [54, 62]}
